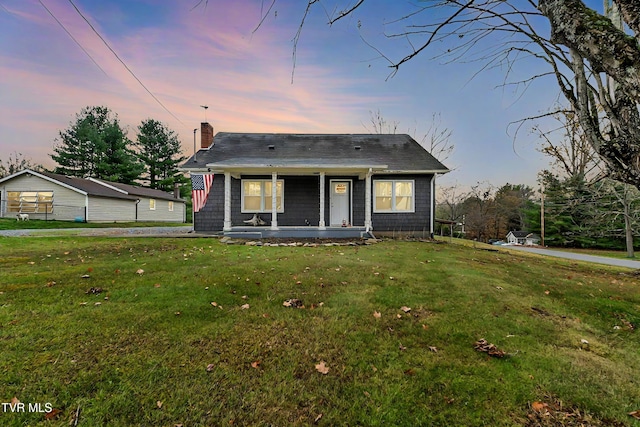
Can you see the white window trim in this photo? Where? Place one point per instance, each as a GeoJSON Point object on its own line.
{"type": "Point", "coordinates": [393, 196]}
{"type": "Point", "coordinates": [264, 209]}
{"type": "Point", "coordinates": [170, 206]}
{"type": "Point", "coordinates": [152, 204]}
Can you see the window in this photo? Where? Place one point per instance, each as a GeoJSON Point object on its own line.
{"type": "Point", "coordinates": [152, 204]}
{"type": "Point", "coordinates": [393, 196]}
{"type": "Point", "coordinates": [170, 206]}
{"type": "Point", "coordinates": [30, 201]}
{"type": "Point", "coordinates": [257, 195]}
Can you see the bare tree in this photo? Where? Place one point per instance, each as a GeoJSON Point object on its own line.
{"type": "Point", "coordinates": [436, 140]}
{"type": "Point", "coordinates": [593, 62]}
{"type": "Point", "coordinates": [15, 163]}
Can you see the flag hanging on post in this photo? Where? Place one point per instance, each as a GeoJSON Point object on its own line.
{"type": "Point", "coordinates": [200, 185]}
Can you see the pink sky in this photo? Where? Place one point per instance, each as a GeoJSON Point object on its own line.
{"type": "Point", "coordinates": [209, 56]}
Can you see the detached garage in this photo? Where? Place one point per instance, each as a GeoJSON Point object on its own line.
{"type": "Point", "coordinates": [50, 196]}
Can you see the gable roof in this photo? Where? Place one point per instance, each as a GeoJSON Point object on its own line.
{"type": "Point", "coordinates": [79, 185]}
{"type": "Point", "coordinates": [135, 190]}
{"type": "Point", "coordinates": [97, 188]}
{"type": "Point", "coordinates": [277, 150]}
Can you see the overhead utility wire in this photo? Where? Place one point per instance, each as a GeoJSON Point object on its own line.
{"type": "Point", "coordinates": [72, 38]}
{"type": "Point", "coordinates": [123, 63]}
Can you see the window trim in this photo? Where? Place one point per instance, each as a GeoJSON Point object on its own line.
{"type": "Point", "coordinates": [152, 204]}
{"type": "Point", "coordinates": [170, 206]}
{"type": "Point", "coordinates": [263, 208]}
{"type": "Point", "coordinates": [48, 207]}
{"type": "Point", "coordinates": [393, 209]}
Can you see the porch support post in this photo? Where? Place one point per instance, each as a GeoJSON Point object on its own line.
{"type": "Point", "coordinates": [227, 201]}
{"type": "Point", "coordinates": [433, 205]}
{"type": "Point", "coordinates": [322, 224]}
{"type": "Point", "coordinates": [274, 201]}
{"type": "Point", "coordinates": [367, 202]}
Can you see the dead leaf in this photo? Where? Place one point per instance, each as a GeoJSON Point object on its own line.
{"type": "Point", "coordinates": [546, 292]}
{"type": "Point", "coordinates": [434, 349]}
{"type": "Point", "coordinates": [140, 271]}
{"type": "Point", "coordinates": [159, 404]}
{"type": "Point", "coordinates": [51, 283]}
{"type": "Point", "coordinates": [255, 364]}
{"type": "Point", "coordinates": [377, 314]}
{"type": "Point", "coordinates": [484, 346]}
{"type": "Point", "coordinates": [317, 419]}
{"type": "Point", "coordinates": [425, 327]}
{"type": "Point", "coordinates": [244, 306]}
{"type": "Point", "coordinates": [245, 297]}
{"type": "Point", "coordinates": [97, 303]}
{"type": "Point", "coordinates": [635, 414]}
{"type": "Point", "coordinates": [405, 309]}
{"type": "Point", "coordinates": [53, 414]}
{"type": "Point", "coordinates": [322, 368]}
{"type": "Point", "coordinates": [157, 285]}
{"type": "Point", "coordinates": [14, 401]}
{"type": "Point", "coordinates": [402, 348]}
{"type": "Point", "coordinates": [210, 367]}
{"type": "Point", "coordinates": [538, 406]}
{"type": "Point", "coordinates": [213, 303]}
{"type": "Point", "coordinates": [85, 276]}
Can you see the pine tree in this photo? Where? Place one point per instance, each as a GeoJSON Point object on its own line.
{"type": "Point", "coordinates": [158, 149]}
{"type": "Point", "coordinates": [95, 145]}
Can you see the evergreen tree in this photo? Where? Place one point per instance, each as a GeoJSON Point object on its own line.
{"type": "Point", "coordinates": [95, 145]}
{"type": "Point", "coordinates": [158, 149]}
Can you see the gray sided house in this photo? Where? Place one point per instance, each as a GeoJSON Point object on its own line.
{"type": "Point", "coordinates": [50, 196]}
{"type": "Point", "coordinates": [340, 185]}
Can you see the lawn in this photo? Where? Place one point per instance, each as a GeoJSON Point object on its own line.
{"type": "Point", "coordinates": [12, 224]}
{"type": "Point", "coordinates": [144, 331]}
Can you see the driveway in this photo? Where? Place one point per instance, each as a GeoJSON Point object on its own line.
{"type": "Point", "coordinates": [580, 257]}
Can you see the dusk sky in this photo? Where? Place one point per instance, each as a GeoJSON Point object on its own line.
{"type": "Point", "coordinates": [191, 56]}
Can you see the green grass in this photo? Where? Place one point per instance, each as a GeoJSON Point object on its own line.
{"type": "Point", "coordinates": [12, 224]}
{"type": "Point", "coordinates": [153, 337]}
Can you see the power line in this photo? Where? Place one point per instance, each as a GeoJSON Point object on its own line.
{"type": "Point", "coordinates": [123, 63]}
{"type": "Point", "coordinates": [72, 38]}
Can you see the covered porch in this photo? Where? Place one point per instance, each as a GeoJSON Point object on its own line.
{"type": "Point", "coordinates": [322, 207]}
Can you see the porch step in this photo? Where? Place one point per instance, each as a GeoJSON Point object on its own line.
{"type": "Point", "coordinates": [298, 232]}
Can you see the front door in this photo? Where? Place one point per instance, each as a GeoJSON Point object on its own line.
{"type": "Point", "coordinates": [340, 200]}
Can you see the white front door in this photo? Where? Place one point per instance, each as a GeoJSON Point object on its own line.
{"type": "Point", "coordinates": [340, 200]}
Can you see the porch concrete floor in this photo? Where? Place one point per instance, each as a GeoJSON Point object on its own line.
{"type": "Point", "coordinates": [298, 232]}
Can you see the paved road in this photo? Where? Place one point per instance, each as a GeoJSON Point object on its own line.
{"type": "Point", "coordinates": [580, 257]}
{"type": "Point", "coordinates": [112, 231]}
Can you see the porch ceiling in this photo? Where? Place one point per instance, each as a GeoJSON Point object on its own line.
{"type": "Point", "coordinates": [308, 169]}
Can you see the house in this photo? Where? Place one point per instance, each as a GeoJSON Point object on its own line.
{"type": "Point", "coordinates": [49, 196]}
{"type": "Point", "coordinates": [325, 185]}
{"type": "Point", "coordinates": [523, 238]}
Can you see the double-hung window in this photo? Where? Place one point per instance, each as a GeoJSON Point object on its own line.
{"type": "Point", "coordinates": [257, 195]}
{"type": "Point", "coordinates": [394, 196]}
{"type": "Point", "coordinates": [30, 201]}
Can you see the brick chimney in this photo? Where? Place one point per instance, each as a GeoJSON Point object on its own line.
{"type": "Point", "coordinates": [206, 135]}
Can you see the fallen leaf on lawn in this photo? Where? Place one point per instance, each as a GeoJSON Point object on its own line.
{"type": "Point", "coordinates": [399, 316]}
{"type": "Point", "coordinates": [255, 364]}
{"type": "Point", "coordinates": [177, 313]}
{"type": "Point", "coordinates": [402, 348]}
{"type": "Point", "coordinates": [51, 283]}
{"type": "Point", "coordinates": [210, 367]}
{"type": "Point", "coordinates": [53, 414]}
{"type": "Point", "coordinates": [83, 303]}
{"type": "Point", "coordinates": [244, 306]}
{"type": "Point", "coordinates": [14, 400]}
{"type": "Point", "coordinates": [484, 346]}
{"type": "Point", "coordinates": [546, 292]}
{"type": "Point", "coordinates": [317, 419]}
{"type": "Point", "coordinates": [157, 285]}
{"type": "Point", "coordinates": [405, 309]}
{"type": "Point", "coordinates": [499, 288]}
{"type": "Point", "coordinates": [85, 276]}
{"type": "Point", "coordinates": [366, 393]}
{"type": "Point", "coordinates": [322, 368]}
{"type": "Point", "coordinates": [425, 327]}
{"type": "Point", "coordinates": [391, 278]}
{"type": "Point", "coordinates": [410, 372]}
{"type": "Point", "coordinates": [538, 406]}
{"type": "Point", "coordinates": [635, 414]}
{"type": "Point", "coordinates": [213, 303]}
{"type": "Point", "coordinates": [89, 270]}
{"type": "Point", "coordinates": [140, 271]}
{"type": "Point", "coordinates": [245, 297]}
{"type": "Point", "coordinates": [377, 314]}
{"type": "Point", "coordinates": [159, 404]}
{"type": "Point", "coordinates": [434, 349]}
{"type": "Point", "coordinates": [583, 341]}
{"type": "Point", "coordinates": [98, 303]}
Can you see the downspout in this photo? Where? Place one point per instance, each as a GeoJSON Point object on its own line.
{"type": "Point", "coordinates": [86, 208]}
{"type": "Point", "coordinates": [137, 201]}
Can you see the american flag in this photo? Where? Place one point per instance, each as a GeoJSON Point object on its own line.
{"type": "Point", "coordinates": [200, 185]}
